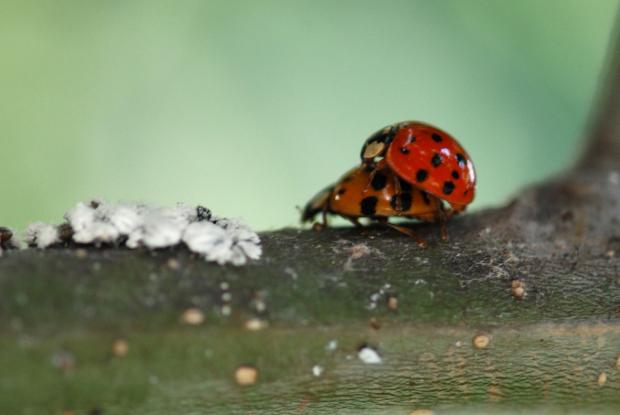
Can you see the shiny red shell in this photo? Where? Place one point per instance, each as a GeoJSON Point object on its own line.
{"type": "Point", "coordinates": [430, 159]}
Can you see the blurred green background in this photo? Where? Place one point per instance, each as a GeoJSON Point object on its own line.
{"type": "Point", "coordinates": [250, 107]}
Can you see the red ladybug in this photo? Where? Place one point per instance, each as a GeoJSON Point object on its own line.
{"type": "Point", "coordinates": [377, 194]}
{"type": "Point", "coordinates": [426, 157]}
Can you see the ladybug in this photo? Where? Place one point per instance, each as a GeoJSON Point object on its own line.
{"type": "Point", "coordinates": [376, 193]}
{"type": "Point", "coordinates": [425, 157]}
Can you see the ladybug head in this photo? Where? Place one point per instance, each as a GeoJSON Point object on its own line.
{"type": "Point", "coordinates": [317, 204]}
{"type": "Point", "coordinates": [375, 146]}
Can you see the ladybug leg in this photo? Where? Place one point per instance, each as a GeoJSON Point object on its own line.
{"type": "Point", "coordinates": [397, 190]}
{"type": "Point", "coordinates": [358, 225]}
{"type": "Point", "coordinates": [371, 176]}
{"type": "Point", "coordinates": [319, 226]}
{"type": "Point", "coordinates": [441, 217]}
{"type": "Point", "coordinates": [397, 185]}
{"type": "Point", "coordinates": [407, 231]}
{"type": "Point", "coordinates": [355, 221]}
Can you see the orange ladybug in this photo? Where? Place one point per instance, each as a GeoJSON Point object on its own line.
{"type": "Point", "coordinates": [376, 193]}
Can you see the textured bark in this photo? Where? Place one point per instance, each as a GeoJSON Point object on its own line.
{"type": "Point", "coordinates": [603, 145]}
{"type": "Point", "coordinates": [538, 278]}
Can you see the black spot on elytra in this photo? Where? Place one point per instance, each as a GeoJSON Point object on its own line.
{"type": "Point", "coordinates": [455, 174]}
{"type": "Point", "coordinates": [401, 202]}
{"type": "Point", "coordinates": [405, 186]}
{"type": "Point", "coordinates": [368, 206]}
{"type": "Point", "coordinates": [395, 202]}
{"type": "Point", "coordinates": [379, 181]}
{"type": "Point", "coordinates": [461, 159]}
{"type": "Point", "coordinates": [427, 200]}
{"type": "Point", "coordinates": [342, 191]}
{"type": "Point", "coordinates": [436, 160]}
{"type": "Point", "coordinates": [448, 187]}
{"type": "Point", "coordinates": [436, 138]}
{"type": "Point", "coordinates": [404, 150]}
{"type": "Point", "coordinates": [421, 175]}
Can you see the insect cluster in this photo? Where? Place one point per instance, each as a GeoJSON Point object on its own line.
{"type": "Point", "coordinates": [216, 239]}
{"type": "Point", "coordinates": [408, 169]}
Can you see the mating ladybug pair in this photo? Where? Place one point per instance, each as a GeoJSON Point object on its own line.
{"type": "Point", "coordinates": [408, 169]}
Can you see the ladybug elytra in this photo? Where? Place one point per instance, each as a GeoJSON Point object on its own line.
{"type": "Point", "coordinates": [360, 193]}
{"type": "Point", "coordinates": [426, 157]}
